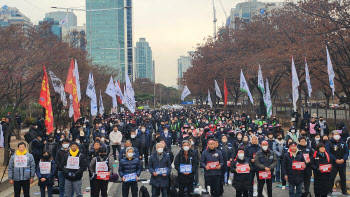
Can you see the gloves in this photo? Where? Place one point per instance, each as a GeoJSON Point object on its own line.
{"type": "Point", "coordinates": [71, 174]}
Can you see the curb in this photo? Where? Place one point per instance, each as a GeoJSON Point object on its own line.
{"type": "Point", "coordinates": [5, 184]}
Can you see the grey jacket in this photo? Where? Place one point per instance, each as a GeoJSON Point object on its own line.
{"type": "Point", "coordinates": [20, 174]}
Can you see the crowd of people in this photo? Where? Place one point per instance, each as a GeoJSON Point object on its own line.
{"type": "Point", "coordinates": [231, 148]}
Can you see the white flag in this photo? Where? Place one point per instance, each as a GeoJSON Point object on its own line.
{"type": "Point", "coordinates": [245, 88]}
{"type": "Point", "coordinates": [111, 92]}
{"type": "Point", "coordinates": [209, 100]}
{"type": "Point", "coordinates": [118, 91]}
{"type": "Point", "coordinates": [71, 110]}
{"type": "Point", "coordinates": [129, 95]}
{"type": "Point", "coordinates": [77, 80]}
{"type": "Point", "coordinates": [185, 93]}
{"type": "Point", "coordinates": [58, 87]}
{"type": "Point", "coordinates": [331, 74]}
{"type": "Point", "coordinates": [217, 90]}
{"type": "Point", "coordinates": [267, 100]}
{"type": "Point", "coordinates": [90, 92]}
{"type": "Point", "coordinates": [307, 79]}
{"type": "Point", "coordinates": [295, 84]}
{"type": "Point", "coordinates": [101, 108]}
{"type": "Point", "coordinates": [261, 81]}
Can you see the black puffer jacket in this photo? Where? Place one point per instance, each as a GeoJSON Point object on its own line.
{"type": "Point", "coordinates": [323, 181]}
{"type": "Point", "coordinates": [83, 164]}
{"type": "Point", "coordinates": [241, 181]}
{"type": "Point", "coordinates": [250, 152]}
{"type": "Point", "coordinates": [192, 159]}
{"type": "Point", "coordinates": [294, 176]}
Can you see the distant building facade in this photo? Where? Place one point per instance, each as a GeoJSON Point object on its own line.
{"type": "Point", "coordinates": [11, 15]}
{"type": "Point", "coordinates": [184, 63]}
{"type": "Point", "coordinates": [55, 27]}
{"type": "Point", "coordinates": [143, 60]}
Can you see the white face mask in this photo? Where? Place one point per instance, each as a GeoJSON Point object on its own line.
{"type": "Point", "coordinates": [239, 137]}
{"type": "Point", "coordinates": [293, 131]}
{"type": "Point", "coordinates": [241, 156]}
{"type": "Point", "coordinates": [264, 147]}
{"type": "Point", "coordinates": [222, 129]}
{"type": "Point", "coordinates": [133, 136]}
{"type": "Point", "coordinates": [165, 132]}
{"type": "Point", "coordinates": [65, 146]}
{"type": "Point", "coordinates": [336, 137]}
{"type": "Point", "coordinates": [58, 131]}
{"type": "Point", "coordinates": [84, 127]}
{"type": "Point", "coordinates": [317, 138]}
{"type": "Point", "coordinates": [186, 148]}
{"type": "Point", "coordinates": [143, 130]}
{"type": "Point", "coordinates": [260, 132]}
{"type": "Point", "coordinates": [130, 155]}
{"type": "Point", "coordinates": [103, 131]}
{"type": "Point", "coordinates": [192, 128]}
{"type": "Point", "coordinates": [102, 139]}
{"type": "Point", "coordinates": [192, 142]}
{"type": "Point", "coordinates": [160, 150]}
{"type": "Point", "coordinates": [224, 140]}
{"type": "Point", "coordinates": [77, 142]}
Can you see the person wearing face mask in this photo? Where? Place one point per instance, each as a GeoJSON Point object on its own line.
{"type": "Point", "coordinates": [159, 167]}
{"type": "Point", "coordinates": [115, 138]}
{"type": "Point", "coordinates": [167, 137]}
{"type": "Point", "coordinates": [186, 164]}
{"type": "Point", "coordinates": [45, 172]}
{"type": "Point", "coordinates": [129, 165]}
{"type": "Point", "coordinates": [212, 161]}
{"type": "Point", "coordinates": [136, 143]}
{"type": "Point", "coordinates": [278, 147]}
{"type": "Point", "coordinates": [292, 134]}
{"type": "Point", "coordinates": [174, 128]}
{"type": "Point", "coordinates": [239, 138]}
{"type": "Point", "coordinates": [51, 146]}
{"type": "Point", "coordinates": [270, 140]}
{"type": "Point", "coordinates": [104, 165]}
{"type": "Point", "coordinates": [75, 131]}
{"type": "Point", "coordinates": [325, 139]}
{"type": "Point", "coordinates": [344, 133]}
{"type": "Point", "coordinates": [322, 179]}
{"type": "Point", "coordinates": [293, 171]}
{"type": "Point", "coordinates": [261, 121]}
{"type": "Point", "coordinates": [265, 160]}
{"type": "Point", "coordinates": [240, 180]}
{"type": "Point", "coordinates": [37, 148]}
{"type": "Point", "coordinates": [250, 154]}
{"type": "Point", "coordinates": [315, 141]}
{"type": "Point", "coordinates": [127, 144]}
{"type": "Point", "coordinates": [265, 128]}
{"type": "Point", "coordinates": [59, 162]}
{"type": "Point", "coordinates": [278, 129]}
{"type": "Point", "coordinates": [145, 141]}
{"type": "Point", "coordinates": [227, 150]}
{"type": "Point", "coordinates": [261, 135]}
{"type": "Point", "coordinates": [243, 144]}
{"type": "Point", "coordinates": [339, 153]}
{"type": "Point", "coordinates": [323, 127]}
{"type": "Point", "coordinates": [313, 128]}
{"type": "Point", "coordinates": [307, 152]}
{"type": "Point", "coordinates": [31, 134]}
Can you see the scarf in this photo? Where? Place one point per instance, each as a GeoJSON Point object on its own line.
{"type": "Point", "coordinates": [160, 156]}
{"type": "Point", "coordinates": [21, 153]}
{"type": "Point", "coordinates": [74, 154]}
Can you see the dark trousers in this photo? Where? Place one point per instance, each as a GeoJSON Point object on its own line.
{"type": "Point", "coordinates": [100, 185]}
{"type": "Point", "coordinates": [156, 191]}
{"type": "Point", "coordinates": [18, 185]}
{"type": "Point", "coordinates": [307, 182]}
{"type": "Point", "coordinates": [37, 159]}
{"type": "Point", "coordinates": [342, 175]}
{"type": "Point", "coordinates": [261, 183]}
{"type": "Point", "coordinates": [174, 137]}
{"type": "Point", "coordinates": [214, 183]}
{"type": "Point", "coordinates": [251, 185]}
{"type": "Point", "coordinates": [49, 190]}
{"type": "Point", "coordinates": [319, 195]}
{"type": "Point", "coordinates": [188, 185]}
{"type": "Point", "coordinates": [241, 193]}
{"type": "Point", "coordinates": [144, 153]}
{"type": "Point", "coordinates": [114, 148]}
{"type": "Point", "coordinates": [126, 186]}
{"type": "Point", "coordinates": [92, 184]}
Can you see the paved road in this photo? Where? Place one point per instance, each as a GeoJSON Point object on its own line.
{"type": "Point", "coordinates": [114, 189]}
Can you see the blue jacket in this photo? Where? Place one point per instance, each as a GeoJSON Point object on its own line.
{"type": "Point", "coordinates": [265, 159]}
{"type": "Point", "coordinates": [167, 139]}
{"type": "Point", "coordinates": [249, 153]}
{"type": "Point", "coordinates": [147, 137]}
{"type": "Point", "coordinates": [122, 153]}
{"type": "Point", "coordinates": [159, 180]}
{"type": "Point", "coordinates": [127, 166]}
{"type": "Point", "coordinates": [337, 150]}
{"type": "Point", "coordinates": [294, 176]}
{"type": "Point", "coordinates": [49, 177]}
{"type": "Point", "coordinates": [212, 156]}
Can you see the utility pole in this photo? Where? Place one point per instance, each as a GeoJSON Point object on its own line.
{"type": "Point", "coordinates": [215, 19]}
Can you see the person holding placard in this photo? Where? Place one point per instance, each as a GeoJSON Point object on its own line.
{"type": "Point", "coordinates": [265, 161]}
{"type": "Point", "coordinates": [322, 166]}
{"type": "Point", "coordinates": [212, 160]}
{"type": "Point", "coordinates": [307, 152]}
{"type": "Point", "coordinates": [59, 164]}
{"type": "Point", "coordinates": [159, 166]}
{"type": "Point", "coordinates": [74, 166]}
{"type": "Point", "coordinates": [250, 153]}
{"type": "Point", "coordinates": [21, 170]}
{"type": "Point", "coordinates": [129, 171]}
{"type": "Point", "coordinates": [241, 179]}
{"type": "Point", "coordinates": [186, 164]}
{"type": "Point", "coordinates": [101, 168]}
{"type": "Point", "coordinates": [293, 168]}
{"type": "Point", "coordinates": [45, 172]}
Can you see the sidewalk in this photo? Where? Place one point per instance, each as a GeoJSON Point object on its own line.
{"type": "Point", "coordinates": [5, 183]}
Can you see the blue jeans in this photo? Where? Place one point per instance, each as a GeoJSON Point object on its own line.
{"type": "Point", "coordinates": [278, 171]}
{"type": "Point", "coordinates": [156, 191]}
{"type": "Point", "coordinates": [71, 186]}
{"type": "Point", "coordinates": [297, 191]}
{"type": "Point", "coordinates": [61, 183]}
{"type": "Point", "coordinates": [49, 190]}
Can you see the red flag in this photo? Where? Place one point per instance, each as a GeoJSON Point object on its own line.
{"type": "Point", "coordinates": [118, 97]}
{"type": "Point", "coordinates": [45, 101]}
{"type": "Point", "coordinates": [225, 92]}
{"type": "Point", "coordinates": [71, 88]}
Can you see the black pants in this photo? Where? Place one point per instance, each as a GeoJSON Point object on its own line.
{"type": "Point", "coordinates": [144, 153]}
{"type": "Point", "coordinates": [319, 195]}
{"type": "Point", "coordinates": [37, 159]}
{"type": "Point", "coordinates": [214, 183]}
{"type": "Point", "coordinates": [261, 183]}
{"type": "Point", "coordinates": [100, 185]}
{"type": "Point", "coordinates": [241, 193]}
{"type": "Point", "coordinates": [126, 186]}
{"type": "Point", "coordinates": [307, 182]}
{"type": "Point", "coordinates": [114, 148]}
{"type": "Point", "coordinates": [18, 185]}
{"type": "Point", "coordinates": [174, 137]}
{"type": "Point", "coordinates": [251, 185]}
{"type": "Point", "coordinates": [342, 175]}
{"type": "Point", "coordinates": [188, 185]}
{"type": "Point", "coordinates": [92, 185]}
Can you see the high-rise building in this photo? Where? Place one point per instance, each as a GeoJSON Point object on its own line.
{"type": "Point", "coordinates": [143, 60]}
{"type": "Point", "coordinates": [109, 34]}
{"type": "Point", "coordinates": [55, 27]}
{"type": "Point", "coordinates": [184, 63]}
{"type": "Point", "coordinates": [69, 17]}
{"type": "Point", "coordinates": [11, 15]}
{"type": "Point", "coordinates": [77, 37]}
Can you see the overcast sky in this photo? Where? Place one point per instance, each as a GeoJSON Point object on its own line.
{"type": "Point", "coordinates": [172, 27]}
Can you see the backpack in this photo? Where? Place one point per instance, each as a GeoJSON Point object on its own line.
{"type": "Point", "coordinates": [143, 192]}
{"type": "Point", "coordinates": [30, 147]}
{"type": "Point", "coordinates": [27, 137]}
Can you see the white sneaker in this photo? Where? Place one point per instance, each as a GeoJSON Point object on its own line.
{"type": "Point", "coordinates": [283, 187]}
{"type": "Point", "coordinates": [255, 194]}
{"type": "Point", "coordinates": [116, 161]}
{"type": "Point", "coordinates": [229, 182]}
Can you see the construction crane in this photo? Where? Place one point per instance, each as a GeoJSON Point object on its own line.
{"type": "Point", "coordinates": [215, 19]}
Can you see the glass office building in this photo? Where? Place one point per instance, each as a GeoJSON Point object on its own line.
{"type": "Point", "coordinates": [109, 34]}
{"type": "Point", "coordinates": [143, 60]}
